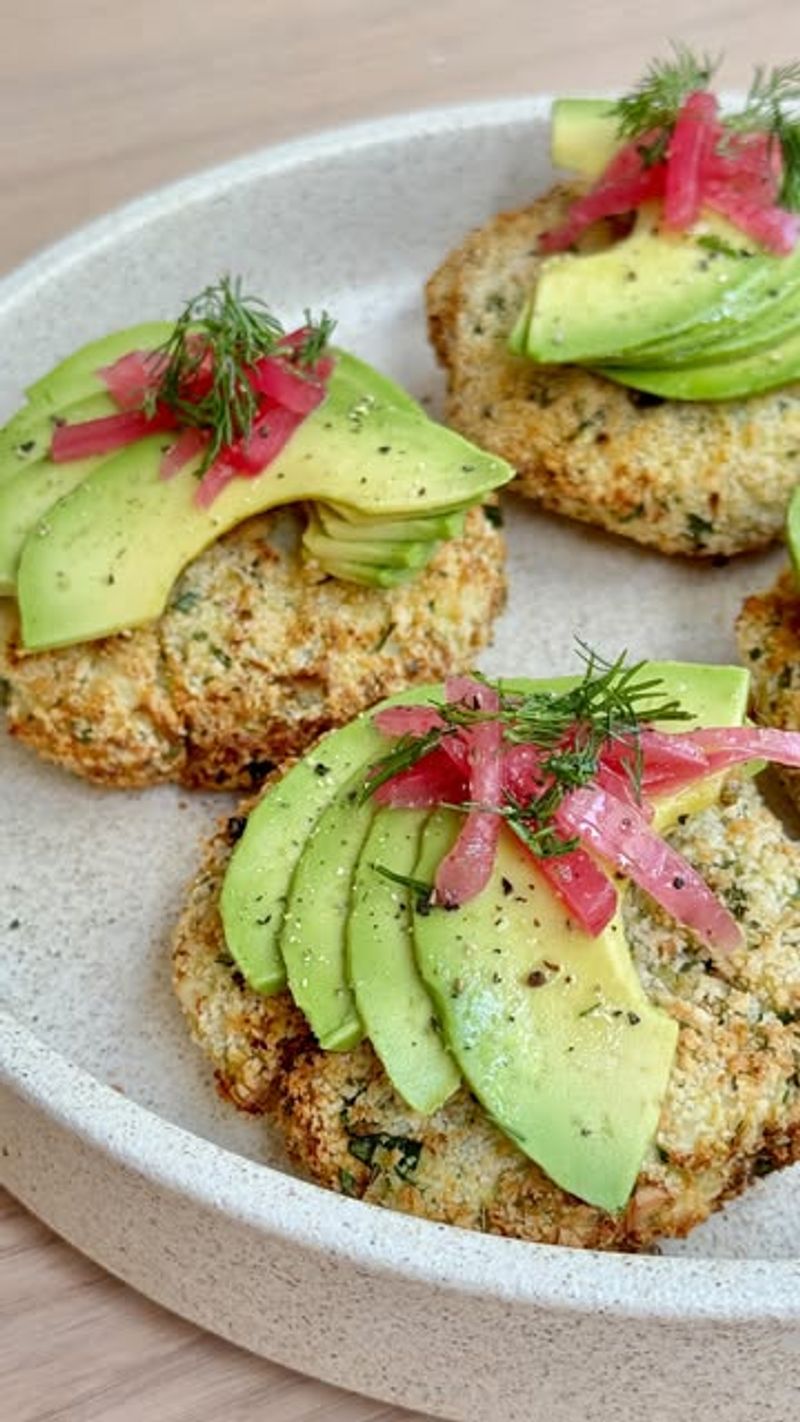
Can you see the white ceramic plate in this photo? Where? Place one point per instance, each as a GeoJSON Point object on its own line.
{"type": "Point", "coordinates": [111, 1128]}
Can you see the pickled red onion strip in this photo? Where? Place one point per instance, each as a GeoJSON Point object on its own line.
{"type": "Point", "coordinates": [620, 835]}
{"type": "Point", "coordinates": [434, 780]}
{"type": "Point", "coordinates": [583, 887]}
{"type": "Point", "coordinates": [694, 137]}
{"type": "Point", "coordinates": [190, 443]}
{"type": "Point", "coordinates": [407, 720]}
{"type": "Point", "coordinates": [466, 869]}
{"type": "Point", "coordinates": [132, 377]}
{"type": "Point", "coordinates": [282, 382]}
{"type": "Point", "coordinates": [112, 432]}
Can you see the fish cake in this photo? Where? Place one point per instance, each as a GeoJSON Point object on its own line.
{"type": "Point", "coordinates": [732, 1110]}
{"type": "Point", "coordinates": [258, 653]}
{"type": "Point", "coordinates": [687, 477]}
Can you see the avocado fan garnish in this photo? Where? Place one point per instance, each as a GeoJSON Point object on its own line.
{"type": "Point", "coordinates": [687, 285]}
{"type": "Point", "coordinates": [143, 447]}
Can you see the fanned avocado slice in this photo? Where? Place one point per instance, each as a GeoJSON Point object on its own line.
{"type": "Point", "coordinates": [588, 306]}
{"type": "Point", "coordinates": [391, 998]}
{"type": "Point", "coordinates": [584, 135]}
{"type": "Point", "coordinates": [107, 554]}
{"type": "Point", "coordinates": [26, 439]}
{"type": "Point", "coordinates": [257, 880]}
{"type": "Point", "coordinates": [76, 377]}
{"type": "Point", "coordinates": [731, 379]}
{"type": "Point", "coordinates": [550, 1027]}
{"type": "Point", "coordinates": [374, 551]}
{"type": "Point", "coordinates": [352, 528]}
{"type": "Point", "coordinates": [763, 311]}
{"type": "Point", "coordinates": [28, 490]}
{"type": "Point", "coordinates": [313, 938]}
{"type": "Point", "coordinates": [793, 532]}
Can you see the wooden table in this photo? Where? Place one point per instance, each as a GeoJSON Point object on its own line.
{"type": "Point", "coordinates": [99, 101]}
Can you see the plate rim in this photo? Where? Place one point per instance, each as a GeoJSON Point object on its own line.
{"type": "Point", "coordinates": [677, 1289]}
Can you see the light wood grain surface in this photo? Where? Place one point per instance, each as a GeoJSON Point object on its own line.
{"type": "Point", "coordinates": [98, 102]}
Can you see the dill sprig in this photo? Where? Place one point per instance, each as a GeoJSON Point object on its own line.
{"type": "Point", "coordinates": [765, 110]}
{"type": "Point", "coordinates": [656, 100]}
{"type": "Point", "coordinates": [422, 892]}
{"type": "Point", "coordinates": [652, 107]}
{"type": "Point", "coordinates": [609, 703]}
{"type": "Point", "coordinates": [405, 753]}
{"type": "Point", "coordinates": [221, 334]}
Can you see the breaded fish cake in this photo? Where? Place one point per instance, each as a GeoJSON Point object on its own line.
{"type": "Point", "coordinates": [732, 1109]}
{"type": "Point", "coordinates": [256, 655]}
{"type": "Point", "coordinates": [768, 631]}
{"type": "Point", "coordinates": [698, 478]}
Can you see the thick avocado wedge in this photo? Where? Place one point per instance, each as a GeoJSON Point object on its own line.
{"type": "Point", "coordinates": [551, 1028]}
{"type": "Point", "coordinates": [587, 307]}
{"type": "Point", "coordinates": [583, 135]}
{"type": "Point", "coordinates": [257, 880]}
{"type": "Point", "coordinates": [106, 556]}
{"type": "Point", "coordinates": [313, 940]}
{"type": "Point", "coordinates": [78, 372]}
{"type": "Point", "coordinates": [391, 998]}
{"type": "Point", "coordinates": [793, 532]}
{"type": "Point", "coordinates": [732, 379]}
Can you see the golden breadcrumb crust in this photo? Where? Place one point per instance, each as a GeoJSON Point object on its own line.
{"type": "Point", "coordinates": [732, 1111]}
{"type": "Point", "coordinates": [698, 478]}
{"type": "Point", "coordinates": [257, 653]}
{"type": "Point", "coordinates": [768, 629]}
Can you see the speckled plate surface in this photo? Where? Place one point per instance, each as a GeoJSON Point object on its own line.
{"type": "Point", "coordinates": [111, 1129]}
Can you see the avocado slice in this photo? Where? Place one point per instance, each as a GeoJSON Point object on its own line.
{"type": "Point", "coordinates": [793, 532]}
{"type": "Point", "coordinates": [24, 501]}
{"type": "Point", "coordinates": [78, 372]}
{"type": "Point", "coordinates": [107, 554]}
{"type": "Point", "coordinates": [257, 880]}
{"type": "Point", "coordinates": [738, 377]}
{"type": "Point", "coordinates": [370, 575]}
{"type": "Point", "coordinates": [343, 524]}
{"type": "Point", "coordinates": [587, 307]}
{"type": "Point", "coordinates": [313, 939]}
{"type": "Point", "coordinates": [762, 311]}
{"type": "Point", "coordinates": [368, 554]}
{"type": "Point", "coordinates": [391, 998]}
{"type": "Point", "coordinates": [27, 437]}
{"type": "Point", "coordinates": [584, 135]}
{"type": "Point", "coordinates": [550, 1027]}
{"type": "Point", "coordinates": [29, 487]}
